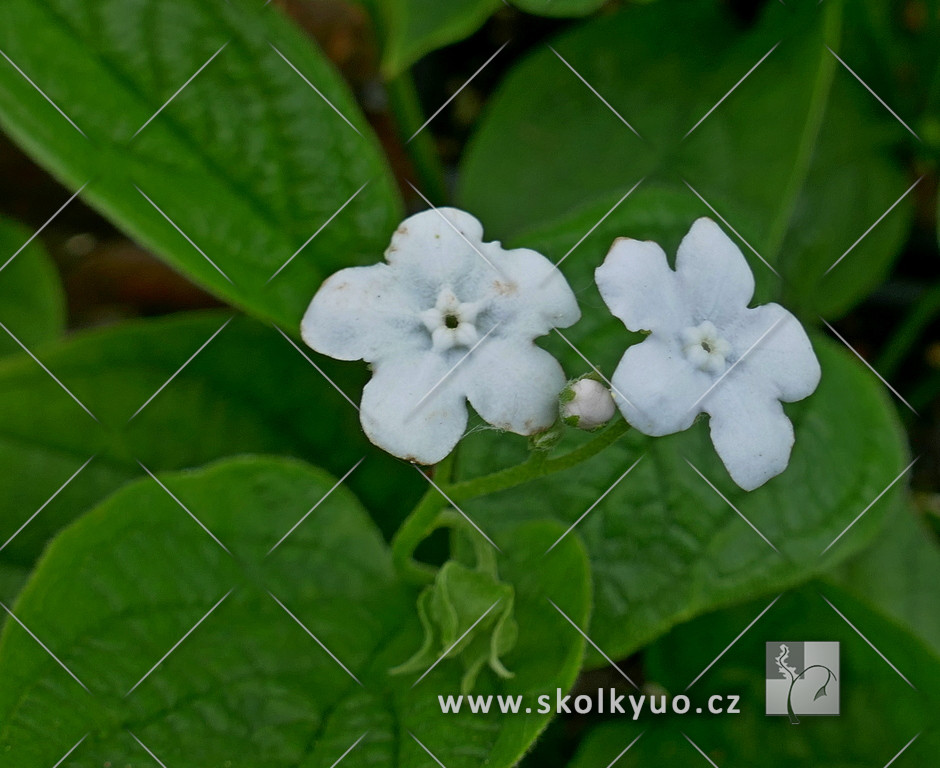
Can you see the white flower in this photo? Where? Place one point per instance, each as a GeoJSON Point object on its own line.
{"type": "Point", "coordinates": [707, 351]}
{"type": "Point", "coordinates": [587, 404]}
{"type": "Point", "coordinates": [447, 319]}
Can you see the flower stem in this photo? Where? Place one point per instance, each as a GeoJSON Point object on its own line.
{"type": "Point", "coordinates": [403, 100]}
{"type": "Point", "coordinates": [415, 528]}
{"type": "Point", "coordinates": [424, 518]}
{"type": "Point", "coordinates": [538, 465]}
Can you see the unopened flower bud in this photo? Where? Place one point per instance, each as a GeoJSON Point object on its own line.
{"type": "Point", "coordinates": [586, 404]}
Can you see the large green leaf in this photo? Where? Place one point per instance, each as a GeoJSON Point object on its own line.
{"type": "Point", "coordinates": [247, 391]}
{"type": "Point", "coordinates": [249, 687]}
{"type": "Point", "coordinates": [32, 303]}
{"type": "Point", "coordinates": [899, 576]}
{"type": "Point", "coordinates": [248, 160]}
{"type": "Point", "coordinates": [879, 712]}
{"type": "Point", "coordinates": [772, 158]}
{"type": "Point", "coordinates": [665, 547]}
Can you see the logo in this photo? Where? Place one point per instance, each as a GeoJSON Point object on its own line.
{"type": "Point", "coordinates": [802, 679]}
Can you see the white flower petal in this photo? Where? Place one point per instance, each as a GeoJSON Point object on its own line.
{"type": "Point", "coordinates": [784, 356]}
{"type": "Point", "coordinates": [715, 278]}
{"type": "Point", "coordinates": [362, 313]}
{"type": "Point", "coordinates": [513, 385]}
{"type": "Point", "coordinates": [640, 289]}
{"type": "Point", "coordinates": [750, 431]}
{"type": "Point", "coordinates": [657, 389]}
{"type": "Point", "coordinates": [440, 249]}
{"type": "Point", "coordinates": [412, 408]}
{"type": "Point", "coordinates": [529, 295]}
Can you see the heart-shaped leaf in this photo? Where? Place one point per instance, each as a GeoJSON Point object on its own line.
{"type": "Point", "coordinates": [212, 641]}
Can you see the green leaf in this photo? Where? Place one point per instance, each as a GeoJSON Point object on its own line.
{"type": "Point", "coordinates": [559, 7]}
{"type": "Point", "coordinates": [779, 163]}
{"type": "Point", "coordinates": [247, 391]}
{"type": "Point", "coordinates": [413, 28]}
{"type": "Point", "coordinates": [247, 159]}
{"type": "Point", "coordinates": [879, 712]}
{"type": "Point", "coordinates": [899, 576]}
{"type": "Point", "coordinates": [665, 547]}
{"type": "Point", "coordinates": [249, 686]}
{"type": "Point", "coordinates": [32, 303]}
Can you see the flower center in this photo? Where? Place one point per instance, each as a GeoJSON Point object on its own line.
{"type": "Point", "coordinates": [705, 348]}
{"type": "Point", "coordinates": [450, 322]}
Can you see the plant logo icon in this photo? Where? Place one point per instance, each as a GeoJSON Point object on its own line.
{"type": "Point", "coordinates": [802, 679]}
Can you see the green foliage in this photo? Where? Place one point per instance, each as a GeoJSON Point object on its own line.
{"type": "Point", "coordinates": [770, 159]}
{"type": "Point", "coordinates": [32, 303]}
{"type": "Point", "coordinates": [664, 546]}
{"type": "Point", "coordinates": [450, 612]}
{"type": "Point", "coordinates": [120, 588]}
{"type": "Point", "coordinates": [230, 399]}
{"type": "Point", "coordinates": [559, 7]}
{"type": "Point", "coordinates": [247, 160]}
{"type": "Point", "coordinates": [880, 713]}
{"type": "Point", "coordinates": [899, 577]}
{"type": "Point", "coordinates": [413, 28]}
